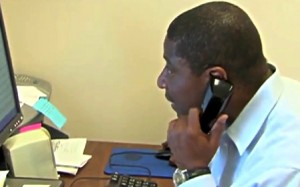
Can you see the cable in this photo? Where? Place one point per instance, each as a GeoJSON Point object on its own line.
{"type": "Point", "coordinates": [88, 178]}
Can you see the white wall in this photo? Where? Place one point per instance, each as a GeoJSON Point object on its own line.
{"type": "Point", "coordinates": [102, 57]}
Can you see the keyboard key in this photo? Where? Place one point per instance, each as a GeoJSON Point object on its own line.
{"type": "Point", "coordinates": [118, 180]}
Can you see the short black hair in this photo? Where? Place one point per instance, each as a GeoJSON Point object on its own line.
{"type": "Point", "coordinates": [217, 33]}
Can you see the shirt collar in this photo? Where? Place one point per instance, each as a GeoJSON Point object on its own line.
{"type": "Point", "coordinates": [248, 123]}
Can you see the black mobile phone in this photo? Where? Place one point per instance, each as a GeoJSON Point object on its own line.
{"type": "Point", "coordinates": [217, 94]}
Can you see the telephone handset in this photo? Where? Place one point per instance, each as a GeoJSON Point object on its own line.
{"type": "Point", "coordinates": [215, 99]}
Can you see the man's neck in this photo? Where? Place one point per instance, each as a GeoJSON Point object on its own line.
{"type": "Point", "coordinates": [243, 95]}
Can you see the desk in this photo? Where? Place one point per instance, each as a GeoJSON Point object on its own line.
{"type": "Point", "coordinates": [100, 152]}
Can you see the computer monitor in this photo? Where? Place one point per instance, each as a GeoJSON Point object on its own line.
{"type": "Point", "coordinates": [10, 112]}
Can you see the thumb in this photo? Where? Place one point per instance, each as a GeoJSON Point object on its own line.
{"type": "Point", "coordinates": [217, 130]}
{"type": "Point", "coordinates": [193, 119]}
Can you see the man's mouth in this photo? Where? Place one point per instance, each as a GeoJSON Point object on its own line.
{"type": "Point", "coordinates": [170, 100]}
{"type": "Point", "coordinates": [173, 105]}
{"type": "Point", "coordinates": [168, 97]}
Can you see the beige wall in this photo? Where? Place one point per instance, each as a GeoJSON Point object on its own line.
{"type": "Point", "coordinates": [102, 57]}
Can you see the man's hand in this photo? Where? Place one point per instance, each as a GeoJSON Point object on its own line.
{"type": "Point", "coordinates": [191, 148]}
{"type": "Point", "coordinates": [166, 147]}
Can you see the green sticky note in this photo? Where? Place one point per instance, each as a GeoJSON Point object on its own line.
{"type": "Point", "coordinates": [50, 111]}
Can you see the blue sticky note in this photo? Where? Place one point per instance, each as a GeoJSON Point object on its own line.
{"type": "Point", "coordinates": [50, 111]}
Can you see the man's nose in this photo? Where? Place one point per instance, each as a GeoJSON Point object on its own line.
{"type": "Point", "coordinates": [161, 81]}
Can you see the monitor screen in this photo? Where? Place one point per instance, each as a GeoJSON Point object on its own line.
{"type": "Point", "coordinates": [10, 112]}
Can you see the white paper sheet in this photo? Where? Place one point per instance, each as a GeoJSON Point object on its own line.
{"type": "Point", "coordinates": [29, 94]}
{"type": "Point", "coordinates": [69, 155]}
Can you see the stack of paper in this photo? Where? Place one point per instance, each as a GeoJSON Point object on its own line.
{"type": "Point", "coordinates": [69, 155]}
{"type": "Point", "coordinates": [29, 95]}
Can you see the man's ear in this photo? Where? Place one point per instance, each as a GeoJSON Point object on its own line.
{"type": "Point", "coordinates": [218, 72]}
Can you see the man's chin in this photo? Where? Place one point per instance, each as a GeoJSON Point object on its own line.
{"type": "Point", "coordinates": [174, 108]}
{"type": "Point", "coordinates": [178, 111]}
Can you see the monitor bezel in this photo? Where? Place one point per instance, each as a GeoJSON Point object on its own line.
{"type": "Point", "coordinates": [17, 119]}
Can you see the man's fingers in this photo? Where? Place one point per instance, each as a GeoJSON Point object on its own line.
{"type": "Point", "coordinates": [218, 130]}
{"type": "Point", "coordinates": [193, 119]}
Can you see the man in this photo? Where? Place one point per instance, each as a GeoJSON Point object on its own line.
{"type": "Point", "coordinates": [252, 143]}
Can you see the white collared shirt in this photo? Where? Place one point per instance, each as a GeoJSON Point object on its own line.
{"type": "Point", "coordinates": [260, 149]}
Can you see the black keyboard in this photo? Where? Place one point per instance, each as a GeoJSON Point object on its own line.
{"type": "Point", "coordinates": [118, 180]}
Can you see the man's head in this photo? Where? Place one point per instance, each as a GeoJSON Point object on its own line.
{"type": "Point", "coordinates": [214, 38]}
